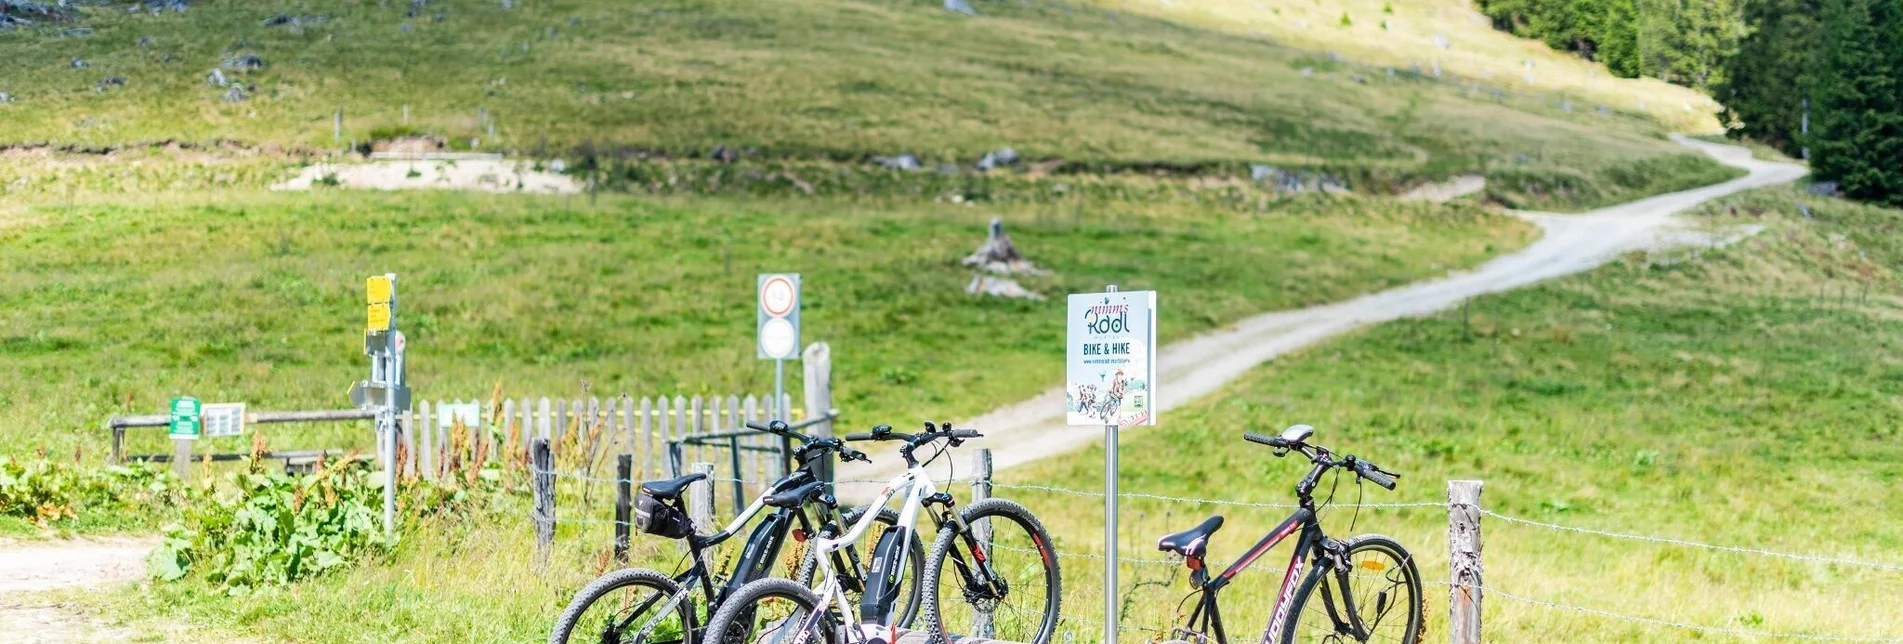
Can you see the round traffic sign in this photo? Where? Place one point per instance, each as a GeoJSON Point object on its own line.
{"type": "Point", "coordinates": [777, 295]}
{"type": "Point", "coordinates": [776, 338]}
{"type": "Point", "coordinates": [400, 341]}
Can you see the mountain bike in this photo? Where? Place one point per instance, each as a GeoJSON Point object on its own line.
{"type": "Point", "coordinates": [1363, 589]}
{"type": "Point", "coordinates": [994, 558]}
{"type": "Point", "coordinates": [642, 606]}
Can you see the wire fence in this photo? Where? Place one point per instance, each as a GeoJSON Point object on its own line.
{"type": "Point", "coordinates": [1085, 620]}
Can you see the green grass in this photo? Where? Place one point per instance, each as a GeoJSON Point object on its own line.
{"type": "Point", "coordinates": [1742, 396]}
{"type": "Point", "coordinates": [115, 307]}
{"type": "Point", "coordinates": [835, 79]}
{"type": "Point", "coordinates": [1711, 396]}
{"type": "Point", "coordinates": [1546, 185]}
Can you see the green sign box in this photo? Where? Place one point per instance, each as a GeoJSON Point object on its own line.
{"type": "Point", "coordinates": [187, 418]}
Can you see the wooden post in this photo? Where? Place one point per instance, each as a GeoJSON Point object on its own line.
{"type": "Point", "coordinates": [118, 445]}
{"type": "Point", "coordinates": [624, 503]}
{"type": "Point", "coordinates": [337, 126]}
{"type": "Point", "coordinates": [818, 363]}
{"type": "Point", "coordinates": [182, 459]}
{"type": "Point", "coordinates": [542, 465]}
{"type": "Point", "coordinates": [981, 490]}
{"type": "Point", "coordinates": [1463, 544]}
{"type": "Point", "coordinates": [700, 499]}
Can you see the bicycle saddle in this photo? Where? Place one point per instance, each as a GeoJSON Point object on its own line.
{"type": "Point", "coordinates": [1192, 542]}
{"type": "Point", "coordinates": [671, 488]}
{"type": "Point", "coordinates": [793, 497]}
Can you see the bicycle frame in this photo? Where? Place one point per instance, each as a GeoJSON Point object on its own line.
{"type": "Point", "coordinates": [755, 562]}
{"type": "Point", "coordinates": [1309, 546]}
{"type": "Point", "coordinates": [919, 490]}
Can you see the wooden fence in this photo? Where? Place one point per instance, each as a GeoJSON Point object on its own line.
{"type": "Point", "coordinates": [586, 435]}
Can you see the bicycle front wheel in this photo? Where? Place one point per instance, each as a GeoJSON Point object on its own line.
{"type": "Point", "coordinates": [771, 611]}
{"type": "Point", "coordinates": [1382, 586]}
{"type": "Point", "coordinates": [998, 580]}
{"type": "Point", "coordinates": [625, 606]}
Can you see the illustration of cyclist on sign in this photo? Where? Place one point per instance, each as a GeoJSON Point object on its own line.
{"type": "Point", "coordinates": [1111, 362]}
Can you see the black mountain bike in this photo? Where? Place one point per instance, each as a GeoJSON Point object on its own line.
{"type": "Point", "coordinates": [1363, 589]}
{"type": "Point", "coordinates": [993, 571]}
{"type": "Point", "coordinates": [642, 606]}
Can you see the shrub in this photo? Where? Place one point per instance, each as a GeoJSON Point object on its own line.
{"type": "Point", "coordinates": [48, 492]}
{"type": "Point", "coordinates": [269, 528]}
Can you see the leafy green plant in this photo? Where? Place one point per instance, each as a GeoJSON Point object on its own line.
{"type": "Point", "coordinates": [47, 492]}
{"type": "Point", "coordinates": [267, 528]}
{"type": "Point", "coordinates": [273, 529]}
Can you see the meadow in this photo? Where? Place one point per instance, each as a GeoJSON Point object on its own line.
{"type": "Point", "coordinates": [1740, 396]}
{"type": "Point", "coordinates": [1086, 88]}
{"type": "Point", "coordinates": [1737, 396]}
{"type": "Point", "coordinates": [113, 308]}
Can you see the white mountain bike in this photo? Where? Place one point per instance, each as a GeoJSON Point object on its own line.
{"type": "Point", "coordinates": [1002, 581]}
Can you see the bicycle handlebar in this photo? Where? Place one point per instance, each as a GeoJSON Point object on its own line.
{"type": "Point", "coordinates": [913, 441]}
{"type": "Point", "coordinates": [779, 428]}
{"type": "Point", "coordinates": [1271, 441]}
{"type": "Point", "coordinates": [1325, 459]}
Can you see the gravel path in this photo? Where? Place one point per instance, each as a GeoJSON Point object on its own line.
{"type": "Point", "coordinates": [26, 570]}
{"type": "Point", "coordinates": [1190, 369]}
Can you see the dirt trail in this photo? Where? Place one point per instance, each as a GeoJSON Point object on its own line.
{"type": "Point", "coordinates": [1189, 369]}
{"type": "Point", "coordinates": [26, 570]}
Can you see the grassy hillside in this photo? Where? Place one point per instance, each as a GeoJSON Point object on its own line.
{"type": "Point", "coordinates": [829, 79]}
{"type": "Point", "coordinates": [1711, 396]}
{"type": "Point", "coordinates": [1742, 396]}
{"type": "Point", "coordinates": [114, 307]}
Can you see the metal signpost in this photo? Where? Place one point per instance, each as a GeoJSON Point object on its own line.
{"type": "Point", "coordinates": [779, 330]}
{"type": "Point", "coordinates": [386, 391]}
{"type": "Point", "coordinates": [1110, 380]}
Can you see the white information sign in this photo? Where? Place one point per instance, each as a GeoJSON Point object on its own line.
{"type": "Point", "coordinates": [224, 419]}
{"type": "Point", "coordinates": [449, 413]}
{"type": "Point", "coordinates": [1110, 361]}
{"type": "Point", "coordinates": [779, 319]}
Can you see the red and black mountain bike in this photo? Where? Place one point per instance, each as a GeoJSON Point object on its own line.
{"type": "Point", "coordinates": [1362, 589]}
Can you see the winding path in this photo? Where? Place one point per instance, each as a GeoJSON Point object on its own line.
{"type": "Point", "coordinates": [1189, 369]}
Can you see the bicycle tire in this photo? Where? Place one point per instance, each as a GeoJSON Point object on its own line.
{"type": "Point", "coordinates": [1413, 630]}
{"type": "Point", "coordinates": [608, 583]}
{"type": "Point", "coordinates": [909, 613]}
{"type": "Point", "coordinates": [948, 543]}
{"type": "Point", "coordinates": [721, 628]}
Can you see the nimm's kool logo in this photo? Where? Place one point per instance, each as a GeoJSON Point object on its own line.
{"type": "Point", "coordinates": [1107, 318]}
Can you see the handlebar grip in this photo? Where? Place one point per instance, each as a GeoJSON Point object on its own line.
{"type": "Point", "coordinates": [1369, 471]}
{"type": "Point", "coordinates": [966, 433]}
{"type": "Point", "coordinates": [1271, 441]}
{"type": "Point", "coordinates": [758, 427]}
{"type": "Point", "coordinates": [859, 436]}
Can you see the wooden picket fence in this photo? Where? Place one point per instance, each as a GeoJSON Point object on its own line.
{"type": "Point", "coordinates": [586, 435]}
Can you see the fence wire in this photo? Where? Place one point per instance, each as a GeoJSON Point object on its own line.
{"type": "Point", "coordinates": [1694, 544]}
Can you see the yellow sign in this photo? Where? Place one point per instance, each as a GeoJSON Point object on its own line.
{"type": "Point", "coordinates": [377, 290]}
{"type": "Point", "coordinates": [379, 317]}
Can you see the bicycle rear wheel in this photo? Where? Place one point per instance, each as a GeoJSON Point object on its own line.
{"type": "Point", "coordinates": [1385, 587]}
{"type": "Point", "coordinates": [627, 606]}
{"type": "Point", "coordinates": [1007, 588]}
{"type": "Point", "coordinates": [771, 611]}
